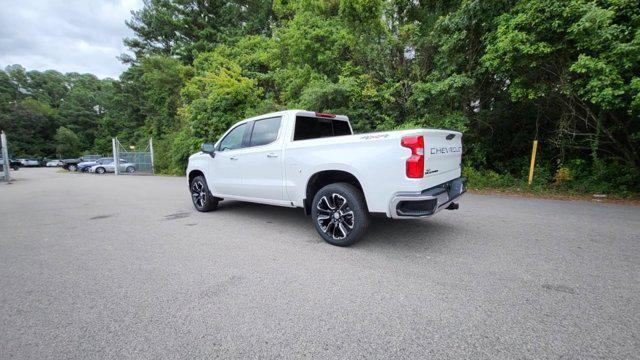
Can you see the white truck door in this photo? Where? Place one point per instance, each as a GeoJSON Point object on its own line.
{"type": "Point", "coordinates": [262, 160]}
{"type": "Point", "coordinates": [226, 167]}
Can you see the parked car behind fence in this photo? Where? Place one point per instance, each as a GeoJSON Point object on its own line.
{"type": "Point", "coordinates": [30, 162]}
{"type": "Point", "coordinates": [54, 163]}
{"type": "Point", "coordinates": [72, 164]}
{"type": "Point", "coordinates": [13, 164]}
{"type": "Point", "coordinates": [86, 165]}
{"type": "Point", "coordinates": [111, 167]}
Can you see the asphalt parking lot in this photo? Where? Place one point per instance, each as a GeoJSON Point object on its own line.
{"type": "Point", "coordinates": [122, 267]}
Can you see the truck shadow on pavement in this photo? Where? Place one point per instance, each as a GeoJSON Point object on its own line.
{"type": "Point", "coordinates": [408, 234]}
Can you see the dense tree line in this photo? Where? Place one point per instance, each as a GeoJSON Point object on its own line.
{"type": "Point", "coordinates": [504, 72]}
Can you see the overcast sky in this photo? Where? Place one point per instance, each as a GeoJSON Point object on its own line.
{"type": "Point", "coordinates": [65, 35]}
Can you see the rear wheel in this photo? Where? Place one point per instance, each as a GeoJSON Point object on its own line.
{"type": "Point", "coordinates": [72, 167]}
{"type": "Point", "coordinates": [130, 169]}
{"type": "Point", "coordinates": [340, 214]}
{"type": "Point", "coordinates": [200, 196]}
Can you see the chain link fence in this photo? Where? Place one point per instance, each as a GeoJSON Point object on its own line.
{"type": "Point", "coordinates": [131, 161]}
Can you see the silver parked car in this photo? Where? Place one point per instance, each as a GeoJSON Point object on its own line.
{"type": "Point", "coordinates": [54, 163]}
{"type": "Point", "coordinates": [30, 162]}
{"type": "Point", "coordinates": [111, 167]}
{"type": "Point", "coordinates": [85, 165]}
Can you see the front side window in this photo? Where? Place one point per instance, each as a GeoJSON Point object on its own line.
{"type": "Point", "coordinates": [265, 131]}
{"type": "Point", "coordinates": [233, 140]}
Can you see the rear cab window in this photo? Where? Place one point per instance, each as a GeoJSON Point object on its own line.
{"type": "Point", "coordinates": [308, 127]}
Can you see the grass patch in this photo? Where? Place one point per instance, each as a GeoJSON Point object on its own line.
{"type": "Point", "coordinates": [546, 185]}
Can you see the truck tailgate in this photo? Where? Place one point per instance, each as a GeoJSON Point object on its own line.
{"type": "Point", "coordinates": [443, 152]}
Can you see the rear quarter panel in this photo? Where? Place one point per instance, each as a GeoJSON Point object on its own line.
{"type": "Point", "coordinates": [377, 160]}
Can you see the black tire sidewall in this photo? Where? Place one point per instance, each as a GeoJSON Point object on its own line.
{"type": "Point", "coordinates": [211, 203]}
{"type": "Point", "coordinates": [100, 170]}
{"type": "Point", "coordinates": [356, 202]}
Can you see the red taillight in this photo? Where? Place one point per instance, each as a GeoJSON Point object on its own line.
{"type": "Point", "coordinates": [415, 163]}
{"type": "Point", "coordinates": [325, 115]}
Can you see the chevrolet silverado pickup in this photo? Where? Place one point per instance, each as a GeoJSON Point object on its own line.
{"type": "Point", "coordinates": [311, 160]}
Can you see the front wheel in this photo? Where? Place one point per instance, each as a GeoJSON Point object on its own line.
{"type": "Point", "coordinates": [202, 199]}
{"type": "Point", "coordinates": [130, 169]}
{"type": "Point", "coordinates": [72, 168]}
{"type": "Point", "coordinates": [340, 214]}
{"type": "Point", "coordinates": [15, 167]}
{"type": "Point", "coordinates": [100, 170]}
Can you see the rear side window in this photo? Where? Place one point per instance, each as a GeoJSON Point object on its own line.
{"type": "Point", "coordinates": [314, 128]}
{"type": "Point", "coordinates": [264, 131]}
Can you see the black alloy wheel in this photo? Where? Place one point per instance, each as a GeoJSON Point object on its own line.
{"type": "Point", "coordinates": [340, 214]}
{"type": "Point", "coordinates": [202, 199]}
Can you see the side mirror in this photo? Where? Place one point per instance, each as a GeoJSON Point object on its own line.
{"type": "Point", "coordinates": [208, 148]}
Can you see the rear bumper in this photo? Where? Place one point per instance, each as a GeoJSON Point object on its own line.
{"type": "Point", "coordinates": [407, 205]}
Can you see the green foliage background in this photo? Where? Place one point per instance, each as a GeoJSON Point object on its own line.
{"type": "Point", "coordinates": [504, 72]}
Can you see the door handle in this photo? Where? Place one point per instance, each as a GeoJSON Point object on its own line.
{"type": "Point", "coordinates": [233, 158]}
{"type": "Point", "coordinates": [272, 155]}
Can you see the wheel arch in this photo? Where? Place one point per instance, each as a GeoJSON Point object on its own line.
{"type": "Point", "coordinates": [323, 178]}
{"type": "Point", "coordinates": [193, 173]}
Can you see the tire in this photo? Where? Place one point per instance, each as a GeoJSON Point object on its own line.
{"type": "Point", "coordinates": [100, 170]}
{"type": "Point", "coordinates": [130, 169]}
{"type": "Point", "coordinates": [340, 214]}
{"type": "Point", "coordinates": [72, 167]}
{"type": "Point", "coordinates": [202, 199]}
{"type": "Point", "coordinates": [15, 167]}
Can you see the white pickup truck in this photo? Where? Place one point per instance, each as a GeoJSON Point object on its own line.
{"type": "Point", "coordinates": [312, 160]}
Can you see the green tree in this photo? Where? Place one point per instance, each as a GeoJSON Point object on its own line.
{"type": "Point", "coordinates": [67, 142]}
{"type": "Point", "coordinates": [184, 28]}
{"type": "Point", "coordinates": [217, 96]}
{"type": "Point", "coordinates": [576, 62]}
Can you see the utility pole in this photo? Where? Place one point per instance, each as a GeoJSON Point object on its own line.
{"type": "Point", "coordinates": [115, 155]}
{"type": "Point", "coordinates": [5, 156]}
{"type": "Point", "coordinates": [151, 150]}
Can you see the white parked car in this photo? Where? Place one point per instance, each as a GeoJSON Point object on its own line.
{"type": "Point", "coordinates": [298, 158]}
{"type": "Point", "coordinates": [30, 162]}
{"type": "Point", "coordinates": [54, 163]}
{"type": "Point", "coordinates": [111, 167]}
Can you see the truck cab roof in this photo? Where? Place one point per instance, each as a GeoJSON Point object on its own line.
{"type": "Point", "coordinates": [295, 112]}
